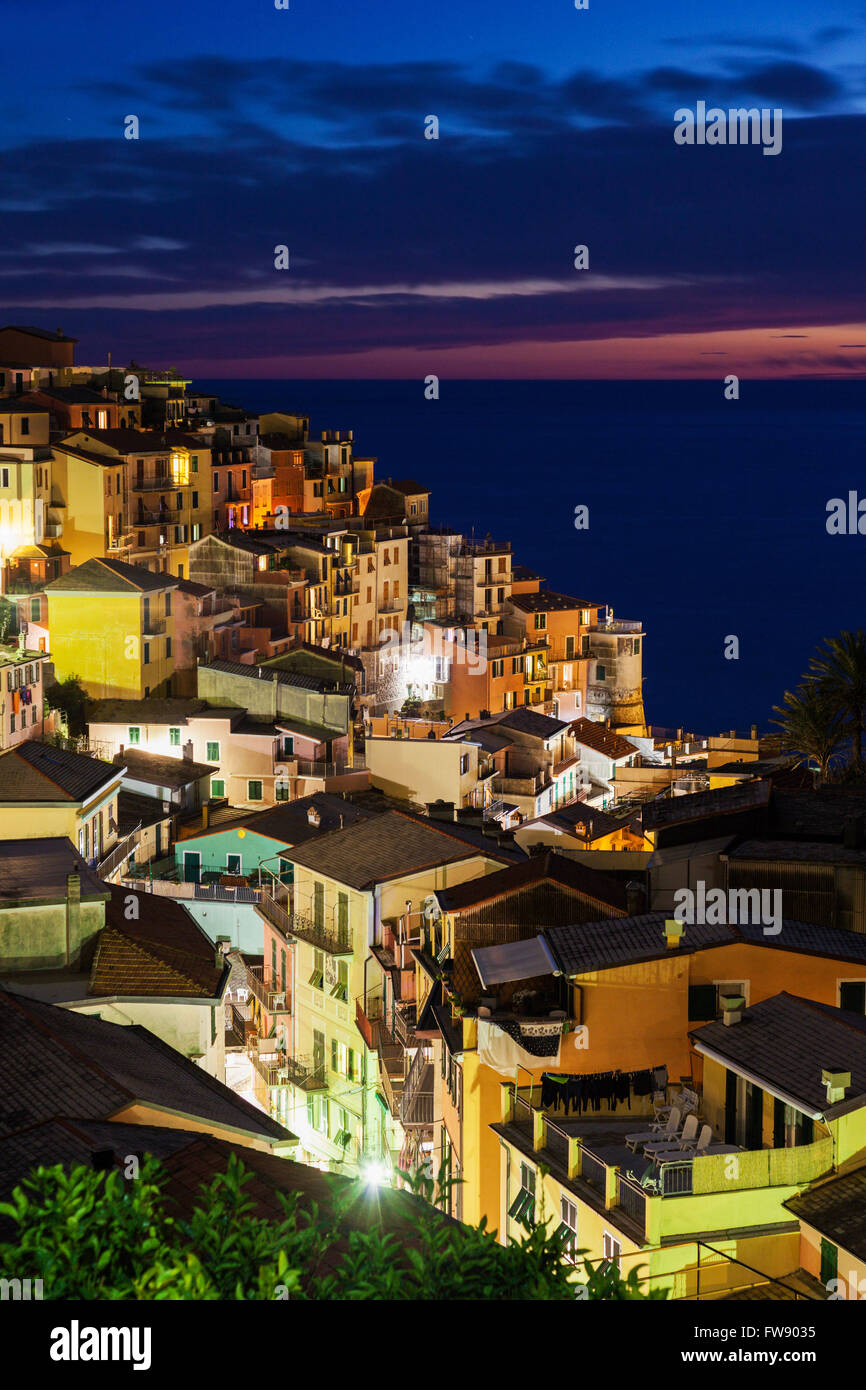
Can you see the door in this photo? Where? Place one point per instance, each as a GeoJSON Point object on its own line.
{"type": "Point", "coordinates": [191, 866]}
{"type": "Point", "coordinates": [754, 1116]}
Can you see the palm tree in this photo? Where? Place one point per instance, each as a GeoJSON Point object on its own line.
{"type": "Point", "coordinates": [840, 672]}
{"type": "Point", "coordinates": [812, 722]}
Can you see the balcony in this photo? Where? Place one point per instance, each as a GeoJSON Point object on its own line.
{"type": "Point", "coordinates": [268, 990]}
{"type": "Point", "coordinates": [333, 942]}
{"type": "Point", "coordinates": [368, 1017]}
{"type": "Point", "coordinates": [644, 1198]}
{"type": "Point", "coordinates": [124, 541]}
{"type": "Point", "coordinates": [152, 627]}
{"type": "Point", "coordinates": [417, 1100]}
{"type": "Point", "coordinates": [288, 1071]}
{"type": "Point", "coordinates": [621, 625]}
{"type": "Point", "coordinates": [157, 482]}
{"type": "Point", "coordinates": [522, 786]}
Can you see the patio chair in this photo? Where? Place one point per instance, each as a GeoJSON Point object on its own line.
{"type": "Point", "coordinates": [658, 1147]}
{"type": "Point", "coordinates": [686, 1149]}
{"type": "Point", "coordinates": [663, 1130]}
{"type": "Point", "coordinates": [686, 1102]}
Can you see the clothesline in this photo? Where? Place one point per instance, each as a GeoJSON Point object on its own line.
{"type": "Point", "coordinates": [579, 1091]}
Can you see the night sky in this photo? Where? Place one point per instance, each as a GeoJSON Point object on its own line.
{"type": "Point", "coordinates": [409, 256]}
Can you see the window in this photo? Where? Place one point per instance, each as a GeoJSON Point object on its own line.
{"type": "Point", "coordinates": [339, 1057]}
{"type": "Point", "coordinates": [464, 764]}
{"type": "Point", "coordinates": [612, 1249]}
{"type": "Point", "coordinates": [216, 482]}
{"type": "Point", "coordinates": [213, 752]}
{"type": "Point", "coordinates": [25, 424]}
{"type": "Point", "coordinates": [233, 864]}
{"type": "Point", "coordinates": [4, 477]}
{"type": "Point", "coordinates": [217, 787]}
{"type": "Point", "coordinates": [147, 653]}
{"type": "Point", "coordinates": [195, 499]}
{"type": "Point", "coordinates": [317, 979]}
{"type": "Point", "coordinates": [852, 996]}
{"type": "Point", "coordinates": [343, 917]}
{"type": "Point", "coordinates": [194, 463]}
{"type": "Point", "coordinates": [319, 904]}
{"type": "Point", "coordinates": [134, 735]}
{"type": "Point", "coordinates": [523, 1207]}
{"type": "Point", "coordinates": [702, 1003]}
{"type": "Point", "coordinates": [500, 596]}
{"type": "Point", "coordinates": [168, 603]}
{"type": "Point", "coordinates": [341, 989]}
{"type": "Point", "coordinates": [35, 610]}
{"type": "Point", "coordinates": [600, 672]}
{"type": "Point", "coordinates": [497, 668]}
{"type": "Point", "coordinates": [517, 665]}
{"type": "Point", "coordinates": [168, 646]}
{"type": "Point", "coordinates": [540, 620]}
{"type": "Point", "coordinates": [174, 738]}
{"type": "Point", "coordinates": [254, 791]}
{"type": "Point", "coordinates": [569, 648]}
{"type": "Point", "coordinates": [567, 1232]}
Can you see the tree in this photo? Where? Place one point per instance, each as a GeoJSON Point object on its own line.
{"type": "Point", "coordinates": [839, 671]}
{"type": "Point", "coordinates": [812, 723]}
{"type": "Point", "coordinates": [95, 1235]}
{"type": "Point", "coordinates": [70, 697]}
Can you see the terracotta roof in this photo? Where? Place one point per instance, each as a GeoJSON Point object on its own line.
{"type": "Point", "coordinates": [162, 772]}
{"type": "Point", "coordinates": [785, 1041]}
{"type": "Point", "coordinates": [591, 734]}
{"type": "Point", "coordinates": [34, 771]}
{"type": "Point", "coordinates": [528, 721]}
{"type": "Point", "coordinates": [55, 1058]}
{"type": "Point", "coordinates": [102, 576]}
{"type": "Point", "coordinates": [162, 951]}
{"type": "Point", "coordinates": [288, 822]}
{"type": "Point", "coordinates": [549, 868]}
{"type": "Point", "coordinates": [549, 602]}
{"type": "Point", "coordinates": [387, 846]}
{"type": "Point", "coordinates": [836, 1208]}
{"type": "Point", "coordinates": [679, 810]}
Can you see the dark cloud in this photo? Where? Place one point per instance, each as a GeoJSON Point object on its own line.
{"type": "Point", "coordinates": [331, 161]}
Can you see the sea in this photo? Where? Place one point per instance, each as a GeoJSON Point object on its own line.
{"type": "Point", "coordinates": [707, 517]}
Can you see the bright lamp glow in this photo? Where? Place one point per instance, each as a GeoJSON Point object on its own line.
{"type": "Point", "coordinates": [374, 1174]}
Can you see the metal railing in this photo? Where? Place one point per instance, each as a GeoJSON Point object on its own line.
{"type": "Point", "coordinates": [121, 852]}
{"type": "Point", "coordinates": [267, 990]}
{"type": "Point", "coordinates": [592, 1170]}
{"type": "Point", "coordinates": [416, 1102]}
{"type": "Point", "coordinates": [334, 942]}
{"type": "Point", "coordinates": [288, 1071]}
{"type": "Point", "coordinates": [632, 1200]}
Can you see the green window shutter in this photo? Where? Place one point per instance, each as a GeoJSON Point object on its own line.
{"type": "Point", "coordinates": [702, 1003]}
{"type": "Point", "coordinates": [829, 1261]}
{"type": "Point", "coordinates": [333, 1054]}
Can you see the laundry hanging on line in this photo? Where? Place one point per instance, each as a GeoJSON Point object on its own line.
{"type": "Point", "coordinates": [582, 1091]}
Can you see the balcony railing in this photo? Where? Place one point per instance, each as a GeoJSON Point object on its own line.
{"type": "Point", "coordinates": [121, 852]}
{"type": "Point", "coordinates": [334, 942]}
{"type": "Point", "coordinates": [152, 627]}
{"type": "Point", "coordinates": [416, 1102]}
{"type": "Point", "coordinates": [267, 989]}
{"type": "Point", "coordinates": [288, 1071]}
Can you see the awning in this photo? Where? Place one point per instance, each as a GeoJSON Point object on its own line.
{"type": "Point", "coordinates": [517, 960]}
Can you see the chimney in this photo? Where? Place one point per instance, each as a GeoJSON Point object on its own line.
{"type": "Point", "coordinates": [673, 933]}
{"type": "Point", "coordinates": [836, 1082]}
{"type": "Point", "coordinates": [634, 898]}
{"type": "Point", "coordinates": [440, 810]}
{"type": "Point", "coordinates": [188, 750]}
{"type": "Point", "coordinates": [313, 816]}
{"type": "Point", "coordinates": [754, 731]}
{"type": "Point", "coordinates": [205, 816]}
{"type": "Point", "coordinates": [732, 1009]}
{"type": "Point", "coordinates": [73, 918]}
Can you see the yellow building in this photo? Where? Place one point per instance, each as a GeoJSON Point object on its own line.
{"type": "Point", "coordinates": [48, 792]}
{"type": "Point", "coordinates": [111, 625]}
{"type": "Point", "coordinates": [351, 890]}
{"type": "Point", "coordinates": [137, 495]}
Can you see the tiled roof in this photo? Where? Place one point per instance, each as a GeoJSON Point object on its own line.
{"type": "Point", "coordinates": [784, 1042]}
{"type": "Point", "coordinates": [546, 601]}
{"type": "Point", "coordinates": [527, 721]}
{"type": "Point", "coordinates": [600, 739]}
{"type": "Point", "coordinates": [162, 772]}
{"type": "Point", "coordinates": [804, 851]}
{"type": "Point", "coordinates": [46, 333]}
{"type": "Point", "coordinates": [289, 823]}
{"type": "Point", "coordinates": [34, 771]}
{"type": "Point", "coordinates": [550, 868]}
{"type": "Point", "coordinates": [272, 673]}
{"type": "Point", "coordinates": [820, 814]}
{"type": "Point", "coordinates": [68, 1141]}
{"type": "Point", "coordinates": [101, 576]}
{"type": "Point", "coordinates": [678, 810]}
{"type": "Point", "coordinates": [583, 820]}
{"type": "Point", "coordinates": [37, 870]}
{"type": "Point", "coordinates": [149, 711]}
{"type": "Point", "coordinates": [57, 1060]}
{"type": "Point", "coordinates": [162, 951]}
{"type": "Point", "coordinates": [625, 941]}
{"type": "Point", "coordinates": [387, 846]}
{"type": "Point", "coordinates": [836, 1208]}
